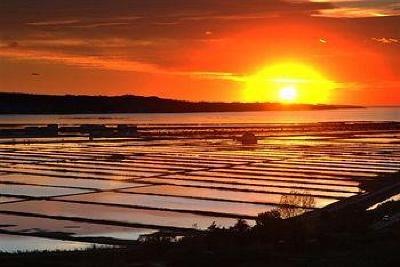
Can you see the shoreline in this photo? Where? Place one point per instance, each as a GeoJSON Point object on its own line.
{"type": "Point", "coordinates": [82, 104]}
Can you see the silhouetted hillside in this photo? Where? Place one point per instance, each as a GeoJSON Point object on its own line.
{"type": "Point", "coordinates": [14, 103]}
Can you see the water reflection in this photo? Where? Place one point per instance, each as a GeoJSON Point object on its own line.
{"type": "Point", "coordinates": [365, 114]}
{"type": "Point", "coordinates": [14, 243]}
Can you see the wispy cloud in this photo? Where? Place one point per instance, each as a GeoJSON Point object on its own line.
{"type": "Point", "coordinates": [356, 12]}
{"type": "Point", "coordinates": [360, 8]}
{"type": "Point", "coordinates": [103, 24]}
{"type": "Point", "coordinates": [112, 63]}
{"type": "Point", "coordinates": [384, 40]}
{"type": "Point", "coordinates": [100, 62]}
{"type": "Point", "coordinates": [53, 22]}
{"type": "Point", "coordinates": [216, 75]}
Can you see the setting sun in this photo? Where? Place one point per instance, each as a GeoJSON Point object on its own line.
{"type": "Point", "coordinates": [288, 83]}
{"type": "Point", "coordinates": [288, 94]}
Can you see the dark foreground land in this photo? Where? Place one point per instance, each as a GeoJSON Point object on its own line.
{"type": "Point", "coordinates": [47, 104]}
{"type": "Point", "coordinates": [346, 233]}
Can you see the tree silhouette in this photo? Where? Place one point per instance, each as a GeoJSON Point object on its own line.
{"type": "Point", "coordinates": [295, 203]}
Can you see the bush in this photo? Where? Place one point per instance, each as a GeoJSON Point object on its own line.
{"type": "Point", "coordinates": [295, 204]}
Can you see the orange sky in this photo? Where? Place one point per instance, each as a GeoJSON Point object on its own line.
{"type": "Point", "coordinates": [203, 50]}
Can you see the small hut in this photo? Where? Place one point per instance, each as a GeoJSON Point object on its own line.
{"type": "Point", "coordinates": [248, 139]}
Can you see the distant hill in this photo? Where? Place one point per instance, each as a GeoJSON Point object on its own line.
{"type": "Point", "coordinates": [16, 103]}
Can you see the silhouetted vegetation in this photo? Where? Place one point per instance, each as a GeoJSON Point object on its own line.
{"type": "Point", "coordinates": [295, 204]}
{"type": "Point", "coordinates": [69, 104]}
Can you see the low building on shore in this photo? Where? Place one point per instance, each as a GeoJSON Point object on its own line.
{"type": "Point", "coordinates": [249, 139]}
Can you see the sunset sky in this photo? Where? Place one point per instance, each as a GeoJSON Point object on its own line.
{"type": "Point", "coordinates": [334, 52]}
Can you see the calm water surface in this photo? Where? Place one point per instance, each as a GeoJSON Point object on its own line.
{"type": "Point", "coordinates": [364, 114]}
{"type": "Point", "coordinates": [13, 243]}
